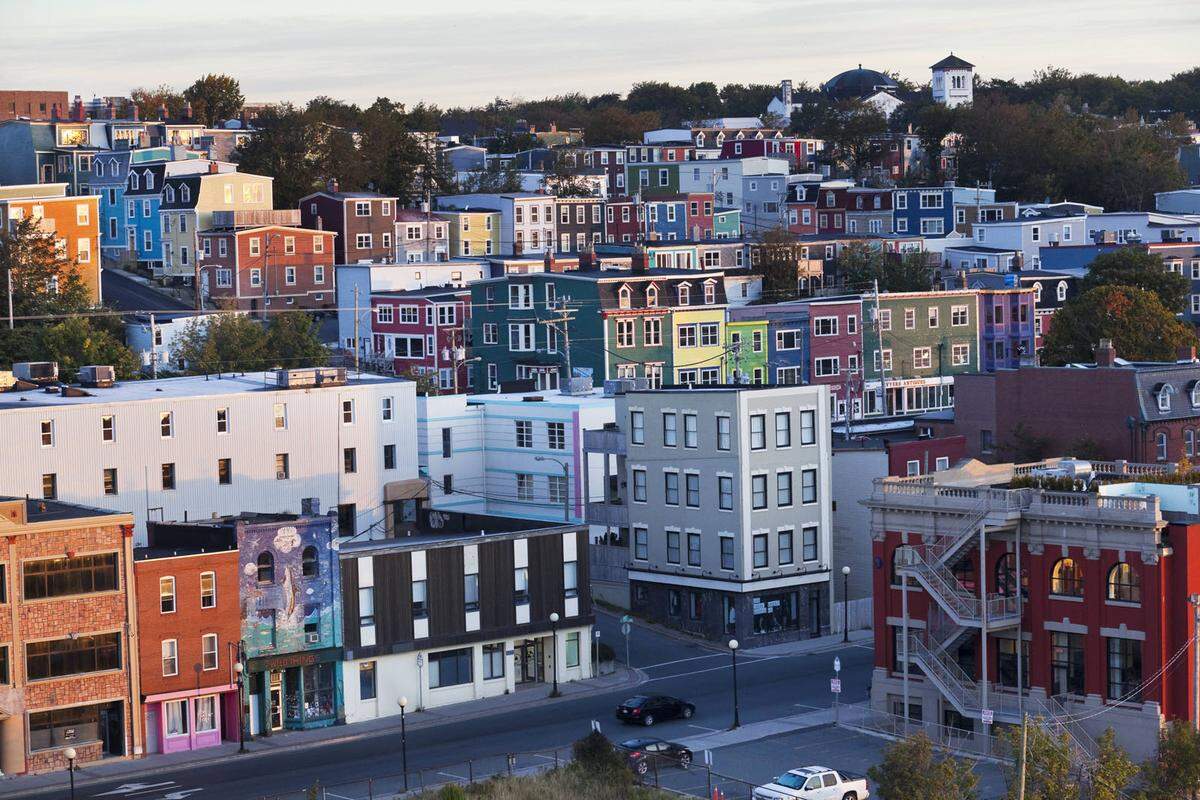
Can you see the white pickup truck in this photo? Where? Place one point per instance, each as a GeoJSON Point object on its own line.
{"type": "Point", "coordinates": [813, 783]}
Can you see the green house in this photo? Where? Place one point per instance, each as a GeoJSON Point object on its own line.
{"type": "Point", "coordinates": [652, 180]}
{"type": "Point", "coordinates": [746, 341]}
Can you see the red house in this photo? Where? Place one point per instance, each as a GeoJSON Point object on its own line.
{"type": "Point", "coordinates": [700, 215]}
{"type": "Point", "coordinates": [268, 267]}
{"type": "Point", "coordinates": [425, 332]}
{"type": "Point", "coordinates": [835, 351]}
{"type": "Point", "coordinates": [623, 219]}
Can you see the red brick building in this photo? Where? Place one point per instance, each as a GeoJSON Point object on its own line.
{"type": "Point", "coordinates": [623, 220]}
{"type": "Point", "coordinates": [189, 618]}
{"type": "Point", "coordinates": [68, 635]}
{"type": "Point", "coordinates": [363, 221]}
{"type": "Point", "coordinates": [269, 266]}
{"type": "Point", "coordinates": [36, 105]}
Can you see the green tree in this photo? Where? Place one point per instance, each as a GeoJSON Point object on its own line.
{"type": "Point", "coordinates": [1048, 764]}
{"type": "Point", "coordinates": [44, 282]}
{"type": "Point", "coordinates": [1141, 270]}
{"type": "Point", "coordinates": [283, 148]}
{"type": "Point", "coordinates": [293, 341]}
{"type": "Point", "coordinates": [150, 102]}
{"type": "Point", "coordinates": [1112, 771]}
{"type": "Point", "coordinates": [1174, 772]}
{"type": "Point", "coordinates": [214, 98]}
{"type": "Point", "coordinates": [860, 265]}
{"type": "Point", "coordinates": [616, 125]}
{"type": "Point", "coordinates": [1139, 325]}
{"type": "Point", "coordinates": [776, 256]}
{"type": "Point", "coordinates": [848, 129]}
{"type": "Point", "coordinates": [76, 342]}
{"type": "Point", "coordinates": [230, 342]}
{"type": "Point", "coordinates": [911, 770]}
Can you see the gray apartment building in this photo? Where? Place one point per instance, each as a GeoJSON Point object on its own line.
{"type": "Point", "coordinates": [723, 495]}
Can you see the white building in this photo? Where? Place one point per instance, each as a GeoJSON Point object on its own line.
{"type": "Point", "coordinates": [192, 447]}
{"type": "Point", "coordinates": [724, 177]}
{"type": "Point", "coordinates": [500, 454]}
{"type": "Point", "coordinates": [953, 81]}
{"type": "Point", "coordinates": [1142, 226]}
{"type": "Point", "coordinates": [1033, 230]}
{"type": "Point", "coordinates": [156, 338]}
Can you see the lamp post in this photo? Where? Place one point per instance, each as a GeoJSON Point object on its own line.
{"type": "Point", "coordinates": [403, 703]}
{"type": "Point", "coordinates": [566, 484]}
{"type": "Point", "coordinates": [554, 651]}
{"type": "Point", "coordinates": [238, 670]}
{"type": "Point", "coordinates": [733, 647]}
{"type": "Point", "coordinates": [70, 754]}
{"type": "Point", "coordinates": [846, 604]}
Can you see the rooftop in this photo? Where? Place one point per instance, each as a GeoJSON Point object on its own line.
{"type": "Point", "coordinates": [53, 510]}
{"type": "Point", "coordinates": [443, 528]}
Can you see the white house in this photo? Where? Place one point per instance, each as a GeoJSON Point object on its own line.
{"type": "Point", "coordinates": [1035, 229]}
{"type": "Point", "coordinates": [156, 338]}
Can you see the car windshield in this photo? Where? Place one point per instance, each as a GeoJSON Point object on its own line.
{"type": "Point", "coordinates": [790, 781]}
{"type": "Point", "coordinates": [634, 702]}
{"type": "Point", "coordinates": [636, 744]}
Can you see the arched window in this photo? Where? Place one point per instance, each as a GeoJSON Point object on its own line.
{"type": "Point", "coordinates": [169, 194]}
{"type": "Point", "coordinates": [149, 179]}
{"type": "Point", "coordinates": [185, 194]}
{"type": "Point", "coordinates": [1006, 576]}
{"type": "Point", "coordinates": [624, 297]}
{"type": "Point", "coordinates": [308, 562]}
{"type": "Point", "coordinates": [1160, 445]}
{"type": "Point", "coordinates": [1189, 442]}
{"type": "Point", "coordinates": [1164, 398]}
{"type": "Point", "coordinates": [1124, 584]}
{"type": "Point", "coordinates": [1037, 292]}
{"type": "Point", "coordinates": [99, 168]}
{"type": "Point", "coordinates": [133, 180]}
{"type": "Point", "coordinates": [1061, 291]}
{"type": "Point", "coordinates": [1196, 394]}
{"type": "Point", "coordinates": [902, 555]}
{"type": "Point", "coordinates": [652, 297]}
{"type": "Point", "coordinates": [266, 568]}
{"type": "Point", "coordinates": [1066, 578]}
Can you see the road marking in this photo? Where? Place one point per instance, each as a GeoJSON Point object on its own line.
{"type": "Point", "coordinates": [710, 669]}
{"type": "Point", "coordinates": [710, 730]}
{"type": "Point", "coordinates": [681, 660]}
{"type": "Point", "coordinates": [811, 708]}
{"type": "Point", "coordinates": [449, 775]}
{"type": "Point", "coordinates": [548, 758]}
{"type": "Point", "coordinates": [135, 788]}
{"type": "Point", "coordinates": [182, 794]}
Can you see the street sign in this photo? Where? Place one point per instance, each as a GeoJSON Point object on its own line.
{"type": "Point", "coordinates": [835, 685]}
{"type": "Point", "coordinates": [988, 716]}
{"type": "Point", "coordinates": [625, 629]}
{"type": "Point", "coordinates": [596, 725]}
{"type": "Point", "coordinates": [626, 619]}
{"type": "Point", "coordinates": [708, 757]}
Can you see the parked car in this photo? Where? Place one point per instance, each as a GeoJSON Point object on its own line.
{"type": "Point", "coordinates": [649, 709]}
{"type": "Point", "coordinates": [644, 753]}
{"type": "Point", "coordinates": [813, 783]}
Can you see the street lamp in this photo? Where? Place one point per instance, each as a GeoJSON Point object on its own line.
{"type": "Point", "coordinates": [846, 603]}
{"type": "Point", "coordinates": [403, 703]}
{"type": "Point", "coordinates": [566, 484]}
{"type": "Point", "coordinates": [70, 754]}
{"type": "Point", "coordinates": [238, 670]}
{"type": "Point", "coordinates": [554, 651]}
{"type": "Point", "coordinates": [733, 647]}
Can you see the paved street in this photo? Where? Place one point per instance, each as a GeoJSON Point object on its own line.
{"type": "Point", "coordinates": [126, 294]}
{"type": "Point", "coordinates": [769, 687]}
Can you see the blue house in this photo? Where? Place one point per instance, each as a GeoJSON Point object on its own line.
{"type": "Point", "coordinates": [666, 218]}
{"type": "Point", "coordinates": [928, 211]}
{"type": "Point", "coordinates": [787, 339]}
{"type": "Point", "coordinates": [110, 176]}
{"type": "Point", "coordinates": [143, 195]}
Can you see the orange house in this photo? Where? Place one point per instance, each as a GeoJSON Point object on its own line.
{"type": "Point", "coordinates": [74, 222]}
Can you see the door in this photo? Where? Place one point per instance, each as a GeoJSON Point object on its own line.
{"type": "Point", "coordinates": [814, 614]}
{"type": "Point", "coordinates": [529, 661]}
{"type": "Point", "coordinates": [276, 710]}
{"type": "Point", "coordinates": [112, 730]}
{"type": "Point", "coordinates": [153, 721]}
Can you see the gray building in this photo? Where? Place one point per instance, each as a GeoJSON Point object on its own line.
{"type": "Point", "coordinates": [723, 495]}
{"type": "Point", "coordinates": [763, 206]}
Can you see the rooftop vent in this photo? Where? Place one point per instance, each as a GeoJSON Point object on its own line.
{"type": "Point", "coordinates": [307, 378]}
{"type": "Point", "coordinates": [36, 371]}
{"type": "Point", "coordinates": [97, 376]}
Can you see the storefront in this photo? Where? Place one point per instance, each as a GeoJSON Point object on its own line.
{"type": "Point", "coordinates": [190, 720]}
{"type": "Point", "coordinates": [295, 691]}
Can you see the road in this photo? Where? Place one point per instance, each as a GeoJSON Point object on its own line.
{"type": "Point", "coordinates": [770, 687]}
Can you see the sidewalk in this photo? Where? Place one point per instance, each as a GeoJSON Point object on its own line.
{"type": "Point", "coordinates": [821, 644]}
{"type": "Point", "coordinates": [136, 768]}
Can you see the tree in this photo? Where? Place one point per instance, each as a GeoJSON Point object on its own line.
{"type": "Point", "coordinates": [860, 265]}
{"type": "Point", "coordinates": [76, 342]}
{"type": "Point", "coordinates": [1113, 770]}
{"type": "Point", "coordinates": [911, 770]}
{"type": "Point", "coordinates": [231, 342]}
{"type": "Point", "coordinates": [848, 129]}
{"type": "Point", "coordinates": [1026, 446]}
{"type": "Point", "coordinates": [776, 256]}
{"type": "Point", "coordinates": [293, 341]}
{"type": "Point", "coordinates": [616, 125]}
{"type": "Point", "coordinates": [1141, 270]}
{"type": "Point", "coordinates": [1048, 762]}
{"type": "Point", "coordinates": [44, 282]}
{"type": "Point", "coordinates": [283, 148]}
{"type": "Point", "coordinates": [1139, 325]}
{"type": "Point", "coordinates": [214, 98]}
{"type": "Point", "coordinates": [150, 102]}
{"type": "Point", "coordinates": [1174, 771]}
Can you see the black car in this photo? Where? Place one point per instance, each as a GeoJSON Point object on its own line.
{"type": "Point", "coordinates": [649, 709]}
{"type": "Point", "coordinates": [645, 753]}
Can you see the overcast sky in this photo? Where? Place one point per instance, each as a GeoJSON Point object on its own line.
{"type": "Point", "coordinates": [470, 51]}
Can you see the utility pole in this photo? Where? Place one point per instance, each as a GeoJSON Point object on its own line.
{"type": "Point", "coordinates": [1195, 601]}
{"type": "Point", "coordinates": [1024, 745]}
{"type": "Point", "coordinates": [153, 351]}
{"type": "Point", "coordinates": [10, 300]}
{"type": "Point", "coordinates": [356, 369]}
{"type": "Point", "coordinates": [562, 326]}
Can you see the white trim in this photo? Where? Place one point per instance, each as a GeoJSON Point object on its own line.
{"type": "Point", "coordinates": [798, 579]}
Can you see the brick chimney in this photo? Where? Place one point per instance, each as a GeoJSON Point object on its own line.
{"type": "Point", "coordinates": [77, 109]}
{"type": "Point", "coordinates": [1106, 354]}
{"type": "Point", "coordinates": [637, 262]}
{"type": "Point", "coordinates": [587, 258]}
{"type": "Point", "coordinates": [213, 168]}
{"type": "Point", "coordinates": [134, 114]}
{"type": "Point", "coordinates": [1186, 354]}
{"type": "Point", "coordinates": [187, 111]}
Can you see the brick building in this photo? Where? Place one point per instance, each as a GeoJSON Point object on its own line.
{"type": "Point", "coordinates": [67, 637]}
{"type": "Point", "coordinates": [268, 267]}
{"type": "Point", "coordinates": [189, 619]}
{"type": "Point", "coordinates": [32, 104]}
{"type": "Point", "coordinates": [364, 222]}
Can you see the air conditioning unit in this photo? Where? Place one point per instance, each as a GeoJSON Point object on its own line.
{"type": "Point", "coordinates": [36, 371]}
{"type": "Point", "coordinates": [312, 638]}
{"type": "Point", "coordinates": [97, 376]}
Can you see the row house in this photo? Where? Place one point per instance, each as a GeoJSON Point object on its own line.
{"type": "Point", "coordinates": [607, 159]}
{"type": "Point", "coordinates": [424, 332]}
{"type": "Point", "coordinates": [73, 222]}
{"type": "Point", "coordinates": [365, 223]}
{"type": "Point", "coordinates": [659, 151]}
{"type": "Point", "coordinates": [892, 156]}
{"type": "Point", "coordinates": [1032, 230]}
{"type": "Point", "coordinates": [1007, 332]}
{"type": "Point", "coordinates": [580, 223]}
{"type": "Point", "coordinates": [69, 637]}
{"type": "Point", "coordinates": [143, 197]}
{"type": "Point", "coordinates": [800, 153]}
{"type": "Point", "coordinates": [110, 175]}
{"type": "Point", "coordinates": [1049, 292]}
{"type": "Point", "coordinates": [666, 218]}
{"type": "Point", "coordinates": [472, 233]}
{"type": "Point", "coordinates": [259, 267]}
{"type": "Point", "coordinates": [746, 343]}
{"type": "Point", "coordinates": [1086, 597]}
{"type": "Point", "coordinates": [624, 218]}
{"type": "Point", "coordinates": [527, 219]}
{"type": "Point", "coordinates": [421, 237]}
{"type": "Point", "coordinates": [190, 204]}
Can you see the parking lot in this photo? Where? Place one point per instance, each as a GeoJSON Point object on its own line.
{"type": "Point", "coordinates": [737, 768]}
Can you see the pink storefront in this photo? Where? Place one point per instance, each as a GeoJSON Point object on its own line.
{"type": "Point", "coordinates": [191, 719]}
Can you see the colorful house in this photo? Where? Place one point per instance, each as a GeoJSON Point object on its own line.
{"type": "Point", "coordinates": [1007, 328]}
{"type": "Point", "coordinates": [653, 179]}
{"type": "Point", "coordinates": [746, 341]}
{"type": "Point", "coordinates": [472, 233]}
{"type": "Point", "coordinates": [73, 222]}
{"type": "Point", "coordinates": [698, 348]}
{"type": "Point", "coordinates": [667, 218]}
{"type": "Point", "coordinates": [423, 332]}
{"type": "Point", "coordinates": [727, 223]}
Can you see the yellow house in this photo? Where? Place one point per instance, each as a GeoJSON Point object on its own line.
{"type": "Point", "coordinates": [472, 233]}
{"type": "Point", "coordinates": [188, 205]}
{"type": "Point", "coordinates": [698, 351]}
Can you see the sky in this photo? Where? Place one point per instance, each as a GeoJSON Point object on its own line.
{"type": "Point", "coordinates": [469, 52]}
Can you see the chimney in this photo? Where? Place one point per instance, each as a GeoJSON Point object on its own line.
{"type": "Point", "coordinates": [54, 112]}
{"type": "Point", "coordinates": [77, 110]}
{"type": "Point", "coordinates": [785, 93]}
{"type": "Point", "coordinates": [1186, 354]}
{"type": "Point", "coordinates": [637, 262]}
{"type": "Point", "coordinates": [187, 111]}
{"type": "Point", "coordinates": [331, 185]}
{"type": "Point", "coordinates": [548, 261]}
{"type": "Point", "coordinates": [213, 168]}
{"type": "Point", "coordinates": [320, 223]}
{"type": "Point", "coordinates": [111, 109]}
{"type": "Point", "coordinates": [134, 114]}
{"type": "Point", "coordinates": [587, 258]}
{"type": "Point", "coordinates": [162, 112]}
{"type": "Point", "coordinates": [1106, 355]}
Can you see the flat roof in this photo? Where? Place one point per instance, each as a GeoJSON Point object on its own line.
{"type": "Point", "coordinates": [51, 510]}
{"type": "Point", "coordinates": [594, 398]}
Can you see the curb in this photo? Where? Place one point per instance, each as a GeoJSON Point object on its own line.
{"type": "Point", "coordinates": [665, 632]}
{"type": "Point", "coordinates": [639, 677]}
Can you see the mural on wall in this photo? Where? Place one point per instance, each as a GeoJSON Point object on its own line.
{"type": "Point", "coordinates": [289, 586]}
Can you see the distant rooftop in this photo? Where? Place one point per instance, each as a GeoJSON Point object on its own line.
{"type": "Point", "coordinates": [55, 510]}
{"type": "Point", "coordinates": [443, 528]}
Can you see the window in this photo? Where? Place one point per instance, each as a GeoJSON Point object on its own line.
{"type": "Point", "coordinates": [224, 471]}
{"type": "Point", "coordinates": [691, 482]}
{"type": "Point", "coordinates": [783, 489]}
{"type": "Point", "coordinates": [571, 645]}
{"type": "Point", "coordinates": [827, 367]}
{"type": "Point", "coordinates": [958, 316]}
{"type": "Point", "coordinates": [47, 433]}
{"type": "Point", "coordinates": [1066, 578]}
{"type": "Point", "coordinates": [725, 493]}
{"type": "Point", "coordinates": [63, 657]}
{"type": "Point", "coordinates": [280, 412]}
{"type": "Point", "coordinates": [170, 658]}
{"type": "Point", "coordinates": [726, 552]}
{"type": "Point", "coordinates": [524, 431]}
{"type": "Point", "coordinates": [758, 491]}
{"type": "Point", "coordinates": [349, 460]}
{"type": "Point", "coordinates": [690, 431]}
{"type": "Point", "coordinates": [641, 544]}
{"type": "Point", "coordinates": [960, 355]}
{"type": "Point", "coordinates": [933, 316]}
{"type": "Point", "coordinates": [570, 578]}
{"type": "Point", "coordinates": [63, 577]}
{"type": "Point", "coordinates": [758, 432]}
{"type": "Point", "coordinates": [208, 590]}
{"type": "Point", "coordinates": [1124, 670]}
{"type": "Point", "coordinates": [1160, 446]}
{"type": "Point", "coordinates": [637, 427]}
{"type": "Point", "coordinates": [760, 550]}
{"type": "Point", "coordinates": [110, 481]}
{"type": "Point", "coordinates": [166, 595]}
{"type": "Point", "coordinates": [347, 412]}
{"type": "Point", "coordinates": [723, 433]}
{"type": "Point", "coordinates": [1124, 585]}
{"type": "Point", "coordinates": [49, 492]}
{"type": "Point", "coordinates": [825, 326]}
{"type": "Point", "coordinates": [471, 591]}
{"type": "Point", "coordinates": [639, 485]}
{"type": "Point", "coordinates": [208, 651]}
{"type": "Point", "coordinates": [652, 332]}
{"type": "Point", "coordinates": [524, 487]}
{"type": "Point", "coordinates": [493, 661]}
{"type": "Point", "coordinates": [108, 429]}
{"type": "Point", "coordinates": [671, 488]}
{"type": "Point", "coordinates": [808, 427]}
{"type": "Point", "coordinates": [167, 472]}
{"type": "Point", "coordinates": [783, 429]}
{"type": "Point", "coordinates": [625, 334]}
{"type": "Point", "coordinates": [420, 609]}
{"type": "Point", "coordinates": [808, 486]}
{"type": "Point", "coordinates": [685, 336]}
{"type": "Point", "coordinates": [672, 547]}
{"type": "Point", "coordinates": [1006, 663]}
{"type": "Point", "coordinates": [520, 337]}
{"type": "Point", "coordinates": [922, 357]}
{"type": "Point", "coordinates": [450, 668]}
{"type": "Point", "coordinates": [810, 551]}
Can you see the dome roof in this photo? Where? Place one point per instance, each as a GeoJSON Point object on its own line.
{"type": "Point", "coordinates": [858, 84]}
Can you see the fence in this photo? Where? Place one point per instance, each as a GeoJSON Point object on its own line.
{"type": "Point", "coordinates": [947, 737]}
{"type": "Point", "coordinates": [861, 617]}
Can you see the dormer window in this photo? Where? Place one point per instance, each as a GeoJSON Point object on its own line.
{"type": "Point", "coordinates": [99, 168]}
{"type": "Point", "coordinates": [185, 194]}
{"type": "Point", "coordinates": [1196, 395]}
{"type": "Point", "coordinates": [169, 194]}
{"type": "Point", "coordinates": [1037, 293]}
{"type": "Point", "coordinates": [829, 200]}
{"type": "Point", "coordinates": [1061, 291]}
{"type": "Point", "coordinates": [624, 297]}
{"type": "Point", "coordinates": [149, 179]}
{"type": "Point", "coordinates": [133, 180]}
{"type": "Point", "coordinates": [652, 297]}
{"type": "Point", "coordinates": [710, 293]}
{"type": "Point", "coordinates": [1164, 398]}
{"type": "Point", "coordinates": [685, 294]}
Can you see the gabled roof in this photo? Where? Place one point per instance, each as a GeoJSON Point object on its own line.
{"type": "Point", "coordinates": [953, 62]}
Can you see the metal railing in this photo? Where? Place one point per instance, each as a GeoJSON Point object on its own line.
{"type": "Point", "coordinates": [943, 586]}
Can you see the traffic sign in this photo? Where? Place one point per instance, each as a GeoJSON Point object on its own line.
{"type": "Point", "coordinates": [625, 628]}
{"type": "Point", "coordinates": [988, 716]}
{"type": "Point", "coordinates": [835, 685]}
{"type": "Point", "coordinates": [626, 619]}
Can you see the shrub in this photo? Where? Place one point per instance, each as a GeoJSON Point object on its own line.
{"type": "Point", "coordinates": [595, 755]}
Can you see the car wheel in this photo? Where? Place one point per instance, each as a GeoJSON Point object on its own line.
{"type": "Point", "coordinates": [642, 768]}
{"type": "Point", "coordinates": [648, 720]}
{"type": "Point", "coordinates": [685, 760]}
{"type": "Point", "coordinates": [688, 711]}
{"type": "Point", "coordinates": [850, 796]}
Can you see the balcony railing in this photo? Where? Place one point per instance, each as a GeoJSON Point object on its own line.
{"type": "Point", "coordinates": [614, 515]}
{"type": "Point", "coordinates": [611, 441]}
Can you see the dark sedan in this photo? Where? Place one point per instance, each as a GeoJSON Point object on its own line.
{"type": "Point", "coordinates": [649, 709]}
{"type": "Point", "coordinates": [645, 754]}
